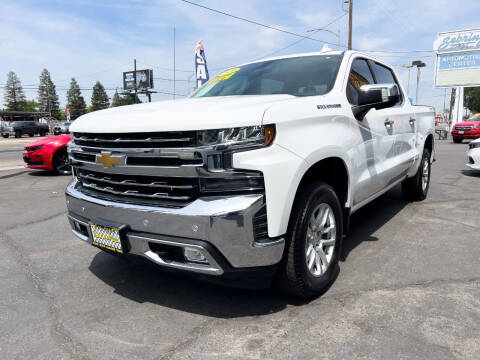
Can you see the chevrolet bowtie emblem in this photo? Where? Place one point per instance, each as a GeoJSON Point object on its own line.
{"type": "Point", "coordinates": [108, 160]}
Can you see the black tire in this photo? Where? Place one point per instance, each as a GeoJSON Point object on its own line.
{"type": "Point", "coordinates": [43, 133]}
{"type": "Point", "coordinates": [413, 188]}
{"type": "Point", "coordinates": [457, 140]}
{"type": "Point", "coordinates": [18, 134]}
{"type": "Point", "coordinates": [294, 276]}
{"type": "Point", "coordinates": [6, 136]}
{"type": "Point", "coordinates": [31, 134]}
{"type": "Point", "coordinates": [60, 162]}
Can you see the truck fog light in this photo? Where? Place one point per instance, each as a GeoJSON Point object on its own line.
{"type": "Point", "coordinates": [194, 255]}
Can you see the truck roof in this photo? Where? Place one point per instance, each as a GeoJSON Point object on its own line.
{"type": "Point", "coordinates": [314, 53]}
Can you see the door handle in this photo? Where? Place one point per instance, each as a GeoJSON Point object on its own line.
{"type": "Point", "coordinates": [412, 121]}
{"type": "Point", "coordinates": [389, 123]}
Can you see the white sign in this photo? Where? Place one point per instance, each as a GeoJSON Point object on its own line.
{"type": "Point", "coordinates": [458, 58]}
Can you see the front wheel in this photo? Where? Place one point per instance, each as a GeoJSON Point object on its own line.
{"type": "Point", "coordinates": [310, 263]}
{"type": "Point", "coordinates": [60, 162]}
{"type": "Point", "coordinates": [416, 187]}
{"type": "Point", "coordinates": [457, 140]}
{"type": "Point", "coordinates": [5, 136]}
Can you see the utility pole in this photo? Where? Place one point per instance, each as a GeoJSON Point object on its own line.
{"type": "Point", "coordinates": [135, 80]}
{"type": "Point", "coordinates": [350, 15]}
{"type": "Point", "coordinates": [174, 69]}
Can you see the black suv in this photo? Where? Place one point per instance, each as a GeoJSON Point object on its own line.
{"type": "Point", "coordinates": [20, 128]}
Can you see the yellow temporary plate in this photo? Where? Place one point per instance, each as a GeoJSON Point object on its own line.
{"type": "Point", "coordinates": [106, 238]}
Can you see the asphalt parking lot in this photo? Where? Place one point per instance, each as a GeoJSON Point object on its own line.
{"type": "Point", "coordinates": [409, 285]}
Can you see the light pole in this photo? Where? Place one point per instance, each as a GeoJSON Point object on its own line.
{"type": "Point", "coordinates": [419, 64]}
{"type": "Point", "coordinates": [408, 66]}
{"type": "Point", "coordinates": [330, 31]}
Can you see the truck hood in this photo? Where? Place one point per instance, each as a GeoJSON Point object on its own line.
{"type": "Point", "coordinates": [179, 115]}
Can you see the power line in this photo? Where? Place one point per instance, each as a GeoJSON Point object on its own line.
{"type": "Point", "coordinates": [298, 41]}
{"type": "Point", "coordinates": [96, 73]}
{"type": "Point", "coordinates": [255, 22]}
{"type": "Point", "coordinates": [290, 32]}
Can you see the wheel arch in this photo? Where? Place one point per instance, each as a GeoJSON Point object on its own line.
{"type": "Point", "coordinates": [429, 143]}
{"type": "Point", "coordinates": [332, 170]}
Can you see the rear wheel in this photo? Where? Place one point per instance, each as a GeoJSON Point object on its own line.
{"type": "Point", "coordinates": [42, 133]}
{"type": "Point", "coordinates": [60, 162]}
{"type": "Point", "coordinates": [457, 140]}
{"type": "Point", "coordinates": [18, 134]}
{"type": "Point", "coordinates": [6, 136]}
{"type": "Point", "coordinates": [416, 187]}
{"type": "Point", "coordinates": [31, 134]}
{"type": "Point", "coordinates": [310, 263]}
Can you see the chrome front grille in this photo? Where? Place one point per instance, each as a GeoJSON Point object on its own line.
{"type": "Point", "coordinates": [171, 139]}
{"type": "Point", "coordinates": [147, 169]}
{"type": "Point", "coordinates": [139, 187]}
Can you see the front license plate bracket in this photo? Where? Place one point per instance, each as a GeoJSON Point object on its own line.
{"type": "Point", "coordinates": [109, 236]}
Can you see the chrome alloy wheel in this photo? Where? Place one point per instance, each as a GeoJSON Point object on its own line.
{"type": "Point", "coordinates": [425, 174]}
{"type": "Point", "coordinates": [321, 237]}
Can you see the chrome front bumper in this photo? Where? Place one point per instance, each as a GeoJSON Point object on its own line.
{"type": "Point", "coordinates": [215, 225]}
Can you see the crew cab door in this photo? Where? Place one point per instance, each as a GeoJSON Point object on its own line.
{"type": "Point", "coordinates": [402, 126]}
{"type": "Point", "coordinates": [375, 148]}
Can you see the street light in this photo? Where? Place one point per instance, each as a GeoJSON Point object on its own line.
{"type": "Point", "coordinates": [419, 64]}
{"type": "Point", "coordinates": [408, 66]}
{"type": "Point", "coordinates": [330, 31]}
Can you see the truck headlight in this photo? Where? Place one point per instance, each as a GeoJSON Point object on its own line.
{"type": "Point", "coordinates": [237, 137]}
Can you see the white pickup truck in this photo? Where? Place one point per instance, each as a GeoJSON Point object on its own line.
{"type": "Point", "coordinates": [254, 177]}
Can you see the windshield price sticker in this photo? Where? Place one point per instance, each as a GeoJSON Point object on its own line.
{"type": "Point", "coordinates": [225, 75]}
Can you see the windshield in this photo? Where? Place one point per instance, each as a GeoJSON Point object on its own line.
{"type": "Point", "coordinates": [301, 76]}
{"type": "Point", "coordinates": [475, 118]}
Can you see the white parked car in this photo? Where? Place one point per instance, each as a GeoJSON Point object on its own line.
{"type": "Point", "coordinates": [254, 176]}
{"type": "Point", "coordinates": [474, 155]}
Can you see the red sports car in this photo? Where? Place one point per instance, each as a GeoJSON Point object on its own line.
{"type": "Point", "coordinates": [48, 154]}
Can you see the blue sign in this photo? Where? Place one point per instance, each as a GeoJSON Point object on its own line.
{"type": "Point", "coordinates": [201, 65]}
{"type": "Point", "coordinates": [459, 61]}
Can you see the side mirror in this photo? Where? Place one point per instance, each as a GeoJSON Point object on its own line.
{"type": "Point", "coordinates": [375, 96]}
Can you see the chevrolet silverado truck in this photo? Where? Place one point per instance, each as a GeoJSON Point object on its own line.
{"type": "Point", "coordinates": [253, 178]}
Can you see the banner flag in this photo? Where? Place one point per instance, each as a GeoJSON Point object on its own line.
{"type": "Point", "coordinates": [200, 65]}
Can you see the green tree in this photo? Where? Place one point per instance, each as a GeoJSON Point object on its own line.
{"type": "Point", "coordinates": [128, 100]}
{"type": "Point", "coordinates": [75, 100]}
{"type": "Point", "coordinates": [47, 95]}
{"type": "Point", "coordinates": [13, 95]}
{"type": "Point", "coordinates": [30, 105]}
{"type": "Point", "coordinates": [472, 99]}
{"type": "Point", "coordinates": [63, 115]}
{"type": "Point", "coordinates": [116, 99]}
{"type": "Point", "coordinates": [100, 98]}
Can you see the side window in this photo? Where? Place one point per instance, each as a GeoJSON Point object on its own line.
{"type": "Point", "coordinates": [383, 75]}
{"type": "Point", "coordinates": [360, 74]}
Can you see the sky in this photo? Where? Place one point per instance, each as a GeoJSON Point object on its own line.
{"type": "Point", "coordinates": [98, 39]}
